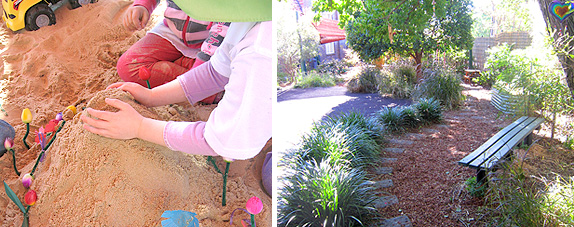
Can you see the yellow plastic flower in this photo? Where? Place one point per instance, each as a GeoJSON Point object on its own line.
{"type": "Point", "coordinates": [26, 116]}
{"type": "Point", "coordinates": [73, 109]}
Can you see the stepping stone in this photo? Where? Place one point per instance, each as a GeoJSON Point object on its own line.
{"type": "Point", "coordinates": [384, 183]}
{"type": "Point", "coordinates": [403, 142]}
{"type": "Point", "coordinates": [394, 150]}
{"type": "Point", "coordinates": [383, 170]}
{"type": "Point", "coordinates": [388, 160]}
{"type": "Point", "coordinates": [477, 117]}
{"type": "Point", "coordinates": [442, 126]}
{"type": "Point", "coordinates": [415, 135]}
{"type": "Point", "coordinates": [430, 130]}
{"type": "Point", "coordinates": [455, 121]}
{"type": "Point", "coordinates": [386, 201]}
{"type": "Point", "coordinates": [400, 221]}
{"type": "Point", "coordinates": [466, 113]}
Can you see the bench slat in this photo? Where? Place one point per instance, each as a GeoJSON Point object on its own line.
{"type": "Point", "coordinates": [515, 140]}
{"type": "Point", "coordinates": [486, 145]}
{"type": "Point", "coordinates": [501, 143]}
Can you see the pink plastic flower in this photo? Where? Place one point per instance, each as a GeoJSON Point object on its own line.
{"type": "Point", "coordinates": [41, 137]}
{"type": "Point", "coordinates": [51, 126]}
{"type": "Point", "coordinates": [30, 197]}
{"type": "Point", "coordinates": [8, 143]}
{"type": "Point", "coordinates": [27, 180]}
{"type": "Point", "coordinates": [254, 205]}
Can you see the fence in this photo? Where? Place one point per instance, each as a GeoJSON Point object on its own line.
{"type": "Point", "coordinates": [520, 40]}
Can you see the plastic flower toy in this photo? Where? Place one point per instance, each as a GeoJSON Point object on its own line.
{"type": "Point", "coordinates": [253, 206]}
{"type": "Point", "coordinates": [9, 145]}
{"type": "Point", "coordinates": [26, 118]}
{"type": "Point", "coordinates": [59, 117]}
{"type": "Point", "coordinates": [27, 180]}
{"type": "Point", "coordinates": [144, 74]}
{"type": "Point", "coordinates": [30, 197]}
{"type": "Point", "coordinates": [73, 109]}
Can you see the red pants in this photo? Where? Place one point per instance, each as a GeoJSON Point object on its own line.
{"type": "Point", "coordinates": [164, 61]}
{"type": "Point", "coordinates": [157, 54]}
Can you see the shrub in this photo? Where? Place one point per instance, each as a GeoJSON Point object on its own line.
{"type": "Point", "coordinates": [391, 118]}
{"type": "Point", "coordinates": [399, 81]}
{"type": "Point", "coordinates": [405, 72]}
{"type": "Point", "coordinates": [321, 194]}
{"type": "Point", "coordinates": [475, 188]}
{"type": "Point", "coordinates": [486, 79]}
{"type": "Point", "coordinates": [443, 86]}
{"type": "Point", "coordinates": [410, 116]}
{"type": "Point", "coordinates": [366, 81]}
{"type": "Point", "coordinates": [314, 79]}
{"type": "Point", "coordinates": [429, 110]}
{"type": "Point", "coordinates": [356, 119]}
{"type": "Point", "coordinates": [333, 67]}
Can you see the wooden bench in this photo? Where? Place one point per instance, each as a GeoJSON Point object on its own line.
{"type": "Point", "coordinates": [500, 146]}
{"type": "Point", "coordinates": [470, 74]}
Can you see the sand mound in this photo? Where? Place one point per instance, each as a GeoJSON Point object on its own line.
{"type": "Point", "coordinates": [86, 179]}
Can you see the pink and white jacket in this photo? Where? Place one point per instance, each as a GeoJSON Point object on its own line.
{"type": "Point", "coordinates": [193, 38]}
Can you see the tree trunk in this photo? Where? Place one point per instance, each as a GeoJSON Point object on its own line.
{"type": "Point", "coordinates": [565, 28]}
{"type": "Point", "coordinates": [418, 56]}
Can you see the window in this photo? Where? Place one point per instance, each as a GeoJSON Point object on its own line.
{"type": "Point", "coordinates": [330, 48]}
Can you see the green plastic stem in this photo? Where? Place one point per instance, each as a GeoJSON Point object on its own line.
{"type": "Point", "coordinates": [37, 161]}
{"type": "Point", "coordinates": [148, 85]}
{"type": "Point", "coordinates": [223, 201]}
{"type": "Point", "coordinates": [54, 137]}
{"type": "Point", "coordinates": [14, 161]}
{"type": "Point", "coordinates": [212, 161]}
{"type": "Point", "coordinates": [26, 135]}
{"type": "Point", "coordinates": [252, 220]}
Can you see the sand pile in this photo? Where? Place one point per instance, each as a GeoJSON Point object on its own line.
{"type": "Point", "coordinates": [87, 179]}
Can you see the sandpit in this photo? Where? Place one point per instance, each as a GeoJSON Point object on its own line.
{"type": "Point", "coordinates": [89, 180]}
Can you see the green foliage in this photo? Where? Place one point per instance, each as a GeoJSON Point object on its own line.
{"type": "Point", "coordinates": [333, 67]}
{"type": "Point", "coordinates": [475, 188]}
{"type": "Point", "coordinates": [314, 79]}
{"type": "Point", "coordinates": [410, 116]}
{"type": "Point", "coordinates": [569, 143]}
{"type": "Point", "coordinates": [415, 26]}
{"type": "Point", "coordinates": [296, 40]}
{"type": "Point", "coordinates": [523, 201]}
{"type": "Point", "coordinates": [486, 79]}
{"type": "Point", "coordinates": [399, 80]}
{"type": "Point", "coordinates": [355, 119]}
{"type": "Point", "coordinates": [442, 85]}
{"type": "Point", "coordinates": [322, 194]}
{"type": "Point", "coordinates": [391, 118]}
{"type": "Point", "coordinates": [510, 16]}
{"type": "Point", "coordinates": [429, 110]}
{"type": "Point", "coordinates": [366, 81]}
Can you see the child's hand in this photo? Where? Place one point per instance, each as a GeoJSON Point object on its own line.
{"type": "Point", "coordinates": [140, 93]}
{"type": "Point", "coordinates": [124, 124]}
{"type": "Point", "coordinates": [136, 18]}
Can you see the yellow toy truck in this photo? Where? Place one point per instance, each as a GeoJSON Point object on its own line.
{"type": "Point", "coordinates": [34, 14]}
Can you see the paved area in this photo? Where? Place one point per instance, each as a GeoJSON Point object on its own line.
{"type": "Point", "coordinates": [297, 109]}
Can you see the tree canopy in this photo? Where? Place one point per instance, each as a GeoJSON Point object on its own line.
{"type": "Point", "coordinates": [405, 27]}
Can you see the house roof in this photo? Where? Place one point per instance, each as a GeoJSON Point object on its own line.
{"type": "Point", "coordinates": [329, 30]}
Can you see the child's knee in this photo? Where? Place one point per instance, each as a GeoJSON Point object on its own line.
{"type": "Point", "coordinates": [125, 68]}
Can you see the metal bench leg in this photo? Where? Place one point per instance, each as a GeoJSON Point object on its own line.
{"type": "Point", "coordinates": [528, 140]}
{"type": "Point", "coordinates": [481, 176]}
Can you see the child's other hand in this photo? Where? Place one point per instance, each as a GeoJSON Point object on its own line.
{"type": "Point", "coordinates": [124, 124]}
{"type": "Point", "coordinates": [136, 18]}
{"type": "Point", "coordinates": [140, 93]}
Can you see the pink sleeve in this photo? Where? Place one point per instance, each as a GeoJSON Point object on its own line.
{"type": "Point", "coordinates": [148, 4]}
{"type": "Point", "coordinates": [201, 82]}
{"type": "Point", "coordinates": [187, 137]}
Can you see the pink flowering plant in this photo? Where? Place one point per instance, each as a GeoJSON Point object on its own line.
{"type": "Point", "coordinates": [253, 206]}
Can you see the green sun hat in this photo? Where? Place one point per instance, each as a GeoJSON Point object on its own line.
{"type": "Point", "coordinates": [227, 10]}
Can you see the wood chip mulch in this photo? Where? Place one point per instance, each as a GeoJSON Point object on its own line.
{"type": "Point", "coordinates": [428, 181]}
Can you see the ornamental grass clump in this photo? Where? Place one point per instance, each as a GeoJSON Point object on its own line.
{"type": "Point", "coordinates": [429, 110]}
{"type": "Point", "coordinates": [444, 86]}
{"type": "Point", "coordinates": [356, 119]}
{"type": "Point", "coordinates": [391, 118]}
{"type": "Point", "coordinates": [323, 194]}
{"type": "Point", "coordinates": [410, 116]}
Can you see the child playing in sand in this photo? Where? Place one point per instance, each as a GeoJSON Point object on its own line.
{"type": "Point", "coordinates": [240, 125]}
{"type": "Point", "coordinates": [171, 48]}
